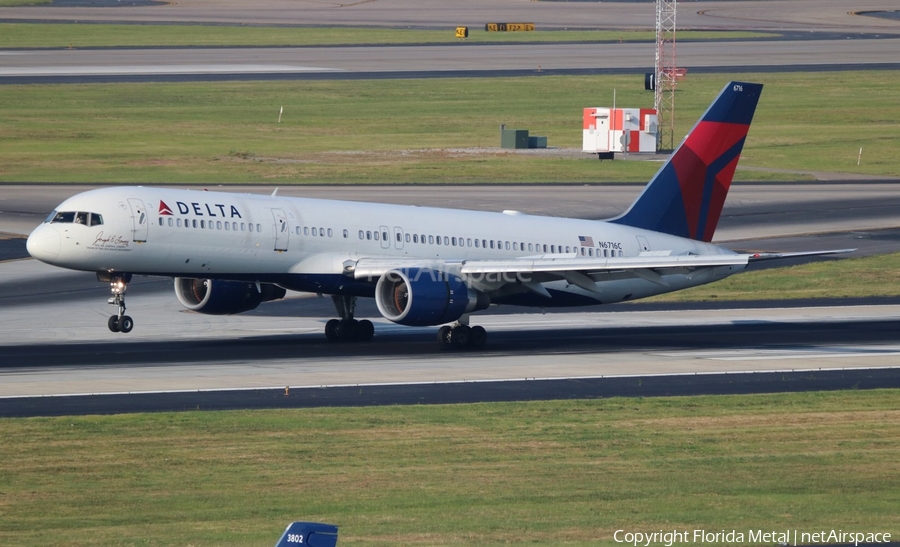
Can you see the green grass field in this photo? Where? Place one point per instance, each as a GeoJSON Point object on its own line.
{"type": "Point", "coordinates": [413, 131]}
{"type": "Point", "coordinates": [872, 276]}
{"type": "Point", "coordinates": [543, 473]}
{"type": "Point", "coordinates": [64, 35]}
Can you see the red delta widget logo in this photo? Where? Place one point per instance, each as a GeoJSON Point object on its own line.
{"type": "Point", "coordinates": [200, 209]}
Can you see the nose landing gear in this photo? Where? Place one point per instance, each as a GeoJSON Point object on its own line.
{"type": "Point", "coordinates": [117, 286]}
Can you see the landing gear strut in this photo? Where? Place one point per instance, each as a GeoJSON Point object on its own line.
{"type": "Point", "coordinates": [461, 335]}
{"type": "Point", "coordinates": [119, 322]}
{"type": "Point", "coordinates": [347, 329]}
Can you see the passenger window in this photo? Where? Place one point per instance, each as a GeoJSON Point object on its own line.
{"type": "Point", "coordinates": [377, 236]}
{"type": "Point", "coordinates": [506, 245]}
{"type": "Point", "coordinates": [545, 247]}
{"type": "Point", "coordinates": [178, 222]}
{"type": "Point", "coordinates": [477, 244]}
{"type": "Point", "coordinates": [161, 221]}
{"type": "Point", "coordinates": [431, 240]}
{"type": "Point", "coordinates": [399, 237]}
{"type": "Point", "coordinates": [530, 246]}
{"type": "Point", "coordinates": [408, 238]}
{"type": "Point", "coordinates": [568, 249]}
{"type": "Point", "coordinates": [330, 232]}
{"type": "Point", "coordinates": [218, 225]}
{"type": "Point", "coordinates": [453, 241]}
{"type": "Point", "coordinates": [203, 225]}
{"type": "Point", "coordinates": [492, 244]}
{"type": "Point", "coordinates": [415, 238]}
{"type": "Point", "coordinates": [227, 227]}
{"type": "Point", "coordinates": [346, 233]}
{"type": "Point", "coordinates": [446, 240]}
{"type": "Point", "coordinates": [369, 234]}
{"type": "Point", "coordinates": [360, 234]}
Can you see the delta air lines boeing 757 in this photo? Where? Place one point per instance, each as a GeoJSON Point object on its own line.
{"type": "Point", "coordinates": [424, 266]}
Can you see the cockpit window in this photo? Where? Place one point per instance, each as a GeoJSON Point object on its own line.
{"type": "Point", "coordinates": [64, 217]}
{"type": "Point", "coordinates": [79, 217]}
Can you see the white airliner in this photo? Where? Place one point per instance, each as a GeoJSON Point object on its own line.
{"type": "Point", "coordinates": [424, 266]}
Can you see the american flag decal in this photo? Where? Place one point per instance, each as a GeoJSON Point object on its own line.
{"type": "Point", "coordinates": [586, 241]}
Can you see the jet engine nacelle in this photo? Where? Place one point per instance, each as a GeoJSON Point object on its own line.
{"type": "Point", "coordinates": [422, 297]}
{"type": "Point", "coordinates": [215, 297]}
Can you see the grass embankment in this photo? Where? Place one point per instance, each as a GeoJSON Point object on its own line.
{"type": "Point", "coordinates": [63, 35]}
{"type": "Point", "coordinates": [567, 473]}
{"type": "Point", "coordinates": [421, 131]}
{"type": "Point", "coordinates": [9, 3]}
{"type": "Point", "coordinates": [871, 276]}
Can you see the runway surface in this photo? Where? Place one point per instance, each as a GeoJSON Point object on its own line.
{"type": "Point", "coordinates": [778, 15]}
{"type": "Point", "coordinates": [57, 357]}
{"type": "Point", "coordinates": [53, 339]}
{"type": "Point", "coordinates": [456, 60]}
{"type": "Point", "coordinates": [823, 36]}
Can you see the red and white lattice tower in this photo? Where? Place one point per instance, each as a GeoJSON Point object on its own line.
{"type": "Point", "coordinates": [666, 69]}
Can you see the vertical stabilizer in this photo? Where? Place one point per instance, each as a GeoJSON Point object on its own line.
{"type": "Point", "coordinates": [686, 195]}
{"type": "Point", "coordinates": [308, 534]}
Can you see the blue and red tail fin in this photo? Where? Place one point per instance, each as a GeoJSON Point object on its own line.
{"type": "Point", "coordinates": [308, 534]}
{"type": "Point", "coordinates": [686, 196]}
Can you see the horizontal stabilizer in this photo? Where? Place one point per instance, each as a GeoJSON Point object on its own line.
{"type": "Point", "coordinates": [309, 534]}
{"type": "Point", "coordinates": [759, 257]}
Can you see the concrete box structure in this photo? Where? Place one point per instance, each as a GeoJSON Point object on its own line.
{"type": "Point", "coordinates": [514, 138]}
{"type": "Point", "coordinates": [619, 130]}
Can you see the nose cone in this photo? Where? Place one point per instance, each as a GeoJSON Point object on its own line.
{"type": "Point", "coordinates": [43, 243]}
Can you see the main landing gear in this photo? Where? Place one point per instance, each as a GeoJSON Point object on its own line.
{"type": "Point", "coordinates": [347, 329]}
{"type": "Point", "coordinates": [119, 322]}
{"type": "Point", "coordinates": [460, 335]}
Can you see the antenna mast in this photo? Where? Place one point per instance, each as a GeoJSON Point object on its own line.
{"type": "Point", "coordinates": [664, 99]}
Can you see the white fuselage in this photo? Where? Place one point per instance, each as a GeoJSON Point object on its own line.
{"type": "Point", "coordinates": [304, 244]}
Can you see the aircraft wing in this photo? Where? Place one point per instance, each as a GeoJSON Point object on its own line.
{"type": "Point", "coordinates": [376, 267]}
{"type": "Point", "coordinates": [568, 266]}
